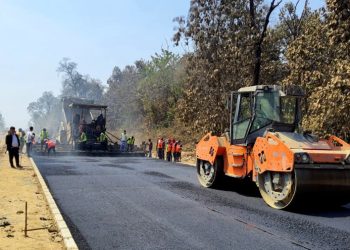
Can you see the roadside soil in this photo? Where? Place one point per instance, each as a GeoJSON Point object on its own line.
{"type": "Point", "coordinates": [187, 157]}
{"type": "Point", "coordinates": [18, 186]}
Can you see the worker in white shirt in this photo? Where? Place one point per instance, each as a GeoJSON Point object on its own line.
{"type": "Point", "coordinates": [30, 141]}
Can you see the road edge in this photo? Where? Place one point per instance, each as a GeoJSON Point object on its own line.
{"type": "Point", "coordinates": [68, 240]}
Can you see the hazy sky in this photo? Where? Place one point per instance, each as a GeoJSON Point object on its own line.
{"type": "Point", "coordinates": [98, 35]}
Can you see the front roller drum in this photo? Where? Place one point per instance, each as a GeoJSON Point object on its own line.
{"type": "Point", "coordinates": [304, 187]}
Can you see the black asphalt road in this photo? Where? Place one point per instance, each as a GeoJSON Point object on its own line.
{"type": "Point", "coordinates": [138, 203]}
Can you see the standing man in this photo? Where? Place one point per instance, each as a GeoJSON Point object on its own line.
{"type": "Point", "coordinates": [132, 143]}
{"type": "Point", "coordinates": [82, 140]}
{"type": "Point", "coordinates": [13, 144]}
{"type": "Point", "coordinates": [44, 136]}
{"type": "Point", "coordinates": [103, 140]}
{"type": "Point", "coordinates": [173, 150]}
{"type": "Point", "coordinates": [128, 142]}
{"type": "Point", "coordinates": [22, 140]}
{"type": "Point", "coordinates": [30, 140]}
{"type": "Point", "coordinates": [150, 148]}
{"type": "Point", "coordinates": [178, 150]}
{"type": "Point", "coordinates": [168, 150]}
{"type": "Point", "coordinates": [160, 146]}
{"type": "Point", "coordinates": [123, 141]}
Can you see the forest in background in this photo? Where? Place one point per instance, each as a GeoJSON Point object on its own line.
{"type": "Point", "coordinates": [234, 45]}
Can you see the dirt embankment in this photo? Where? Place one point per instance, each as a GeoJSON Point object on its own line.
{"type": "Point", "coordinates": [18, 186]}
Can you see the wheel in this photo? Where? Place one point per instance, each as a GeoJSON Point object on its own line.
{"type": "Point", "coordinates": [209, 175]}
{"type": "Point", "coordinates": [277, 188]}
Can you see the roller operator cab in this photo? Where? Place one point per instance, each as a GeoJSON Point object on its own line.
{"type": "Point", "coordinates": [263, 143]}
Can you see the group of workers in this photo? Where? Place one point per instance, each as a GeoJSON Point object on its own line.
{"type": "Point", "coordinates": [15, 142]}
{"type": "Point", "coordinates": [28, 139]}
{"type": "Point", "coordinates": [101, 138]}
{"type": "Point", "coordinates": [127, 143]}
{"type": "Point", "coordinates": [169, 149]}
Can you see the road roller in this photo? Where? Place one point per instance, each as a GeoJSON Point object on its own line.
{"type": "Point", "coordinates": [266, 144]}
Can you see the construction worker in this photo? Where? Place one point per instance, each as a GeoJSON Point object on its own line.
{"type": "Point", "coordinates": [51, 146]}
{"type": "Point", "coordinates": [160, 146]}
{"type": "Point", "coordinates": [123, 141]}
{"type": "Point", "coordinates": [21, 135]}
{"type": "Point", "coordinates": [103, 140]}
{"type": "Point", "coordinates": [132, 143]}
{"type": "Point", "coordinates": [30, 140]}
{"type": "Point", "coordinates": [168, 150]}
{"type": "Point", "coordinates": [128, 141]}
{"type": "Point", "coordinates": [44, 135]}
{"type": "Point", "coordinates": [157, 148]}
{"type": "Point", "coordinates": [150, 148]}
{"type": "Point", "coordinates": [178, 150]}
{"type": "Point", "coordinates": [163, 150]}
{"type": "Point", "coordinates": [82, 140]}
{"type": "Point", "coordinates": [173, 149]}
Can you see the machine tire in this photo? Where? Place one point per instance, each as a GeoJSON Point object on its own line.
{"type": "Point", "coordinates": [211, 177]}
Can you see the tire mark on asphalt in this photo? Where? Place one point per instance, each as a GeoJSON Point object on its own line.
{"type": "Point", "coordinates": [158, 174]}
{"type": "Point", "coordinates": [327, 237]}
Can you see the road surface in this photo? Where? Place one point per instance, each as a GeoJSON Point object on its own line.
{"type": "Point", "coordinates": [139, 203]}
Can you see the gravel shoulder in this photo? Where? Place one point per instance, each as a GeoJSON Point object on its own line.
{"type": "Point", "coordinates": [18, 186]}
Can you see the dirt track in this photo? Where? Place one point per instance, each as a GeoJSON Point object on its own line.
{"type": "Point", "coordinates": [16, 187]}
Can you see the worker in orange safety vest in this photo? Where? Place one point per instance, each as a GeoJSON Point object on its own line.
{"type": "Point", "coordinates": [178, 150]}
{"type": "Point", "coordinates": [160, 148]}
{"type": "Point", "coordinates": [169, 150]}
{"type": "Point", "coordinates": [51, 146]}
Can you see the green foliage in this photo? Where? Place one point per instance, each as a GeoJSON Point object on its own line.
{"type": "Point", "coordinates": [146, 94]}
{"type": "Point", "coordinates": [160, 88]}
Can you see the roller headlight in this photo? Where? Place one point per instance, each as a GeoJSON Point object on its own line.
{"type": "Point", "coordinates": [302, 158]}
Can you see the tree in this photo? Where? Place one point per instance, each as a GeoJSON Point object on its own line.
{"type": "Point", "coordinates": [291, 25]}
{"type": "Point", "coordinates": [160, 88]}
{"type": "Point", "coordinates": [121, 96]}
{"type": "Point", "coordinates": [231, 51]}
{"type": "Point", "coordinates": [46, 112]}
{"type": "Point", "coordinates": [76, 85]}
{"type": "Point", "coordinates": [319, 62]}
{"type": "Point", "coordinates": [72, 80]}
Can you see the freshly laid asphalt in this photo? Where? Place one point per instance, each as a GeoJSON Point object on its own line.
{"type": "Point", "coordinates": [140, 203]}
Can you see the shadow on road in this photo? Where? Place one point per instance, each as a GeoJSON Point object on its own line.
{"type": "Point", "coordinates": [243, 187]}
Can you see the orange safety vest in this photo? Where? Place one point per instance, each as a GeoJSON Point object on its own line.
{"type": "Point", "coordinates": [160, 144]}
{"type": "Point", "coordinates": [178, 148]}
{"type": "Point", "coordinates": [169, 148]}
{"type": "Point", "coordinates": [51, 144]}
{"type": "Point", "coordinates": [173, 148]}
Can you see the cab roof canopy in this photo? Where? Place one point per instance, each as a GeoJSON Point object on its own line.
{"type": "Point", "coordinates": [87, 106]}
{"type": "Point", "coordinates": [289, 90]}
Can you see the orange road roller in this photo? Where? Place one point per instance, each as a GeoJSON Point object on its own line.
{"type": "Point", "coordinates": [264, 143]}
